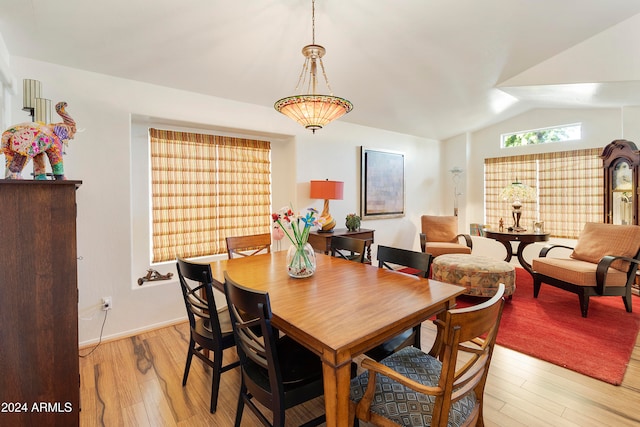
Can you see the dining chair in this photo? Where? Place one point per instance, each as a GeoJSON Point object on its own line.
{"type": "Point", "coordinates": [444, 387]}
{"type": "Point", "coordinates": [242, 246]}
{"type": "Point", "coordinates": [408, 262]}
{"type": "Point", "coordinates": [210, 328]}
{"type": "Point", "coordinates": [439, 235]}
{"type": "Point", "coordinates": [348, 248]}
{"type": "Point", "coordinates": [277, 372]}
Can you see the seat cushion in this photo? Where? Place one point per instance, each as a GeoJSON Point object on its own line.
{"type": "Point", "coordinates": [402, 405]}
{"type": "Point", "coordinates": [597, 240]}
{"type": "Point", "coordinates": [441, 248]}
{"type": "Point", "coordinates": [581, 273]}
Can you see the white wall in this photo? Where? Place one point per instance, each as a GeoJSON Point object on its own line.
{"type": "Point", "coordinates": [112, 249]}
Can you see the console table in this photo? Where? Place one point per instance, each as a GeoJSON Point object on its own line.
{"type": "Point", "coordinates": [321, 242]}
{"type": "Point", "coordinates": [524, 239]}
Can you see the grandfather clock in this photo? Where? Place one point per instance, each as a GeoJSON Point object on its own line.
{"type": "Point", "coordinates": [620, 161]}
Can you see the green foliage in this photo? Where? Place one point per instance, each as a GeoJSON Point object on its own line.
{"type": "Point", "coordinates": [540, 136]}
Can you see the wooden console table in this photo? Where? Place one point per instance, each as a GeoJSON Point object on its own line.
{"type": "Point", "coordinates": [321, 242]}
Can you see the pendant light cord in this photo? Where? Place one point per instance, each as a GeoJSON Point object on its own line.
{"type": "Point", "coordinates": [313, 21]}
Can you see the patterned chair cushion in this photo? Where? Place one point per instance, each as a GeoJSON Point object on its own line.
{"type": "Point", "coordinates": [402, 405]}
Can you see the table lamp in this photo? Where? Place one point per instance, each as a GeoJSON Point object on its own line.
{"type": "Point", "coordinates": [516, 193]}
{"type": "Point", "coordinates": [327, 190]}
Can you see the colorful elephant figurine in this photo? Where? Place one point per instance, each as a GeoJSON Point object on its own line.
{"type": "Point", "coordinates": [26, 141]}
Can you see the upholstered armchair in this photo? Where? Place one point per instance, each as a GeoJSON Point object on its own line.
{"type": "Point", "coordinates": [440, 236]}
{"type": "Point", "coordinates": [603, 263]}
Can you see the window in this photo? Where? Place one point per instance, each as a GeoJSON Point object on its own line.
{"type": "Point", "coordinates": [568, 183]}
{"type": "Point", "coordinates": [205, 188]}
{"type": "Point", "coordinates": [542, 136]}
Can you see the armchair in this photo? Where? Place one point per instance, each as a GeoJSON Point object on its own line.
{"type": "Point", "coordinates": [440, 236]}
{"type": "Point", "coordinates": [603, 263]}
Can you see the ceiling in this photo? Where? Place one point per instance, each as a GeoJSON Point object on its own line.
{"type": "Point", "coordinates": [430, 68]}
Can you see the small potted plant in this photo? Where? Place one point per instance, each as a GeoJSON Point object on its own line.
{"type": "Point", "coordinates": [352, 222]}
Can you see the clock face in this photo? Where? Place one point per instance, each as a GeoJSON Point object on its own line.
{"type": "Point", "coordinates": [622, 177]}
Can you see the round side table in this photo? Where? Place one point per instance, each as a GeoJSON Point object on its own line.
{"type": "Point", "coordinates": [524, 239]}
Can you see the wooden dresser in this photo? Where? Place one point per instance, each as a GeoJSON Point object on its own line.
{"type": "Point", "coordinates": [39, 369]}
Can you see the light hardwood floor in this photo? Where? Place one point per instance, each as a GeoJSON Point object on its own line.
{"type": "Point", "coordinates": [137, 381]}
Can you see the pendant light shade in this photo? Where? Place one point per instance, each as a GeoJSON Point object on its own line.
{"type": "Point", "coordinates": [313, 110]}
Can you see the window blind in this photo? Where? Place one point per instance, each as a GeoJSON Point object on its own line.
{"type": "Point", "coordinates": [204, 189]}
{"type": "Point", "coordinates": [568, 183]}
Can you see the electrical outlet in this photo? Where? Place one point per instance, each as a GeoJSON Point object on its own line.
{"type": "Point", "coordinates": [106, 303]}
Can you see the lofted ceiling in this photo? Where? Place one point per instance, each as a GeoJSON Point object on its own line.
{"type": "Point", "coordinates": [430, 68]}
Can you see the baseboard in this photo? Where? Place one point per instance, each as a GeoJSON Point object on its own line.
{"type": "Point", "coordinates": [132, 332]}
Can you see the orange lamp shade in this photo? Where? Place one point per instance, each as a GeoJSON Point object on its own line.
{"type": "Point", "coordinates": [327, 190]}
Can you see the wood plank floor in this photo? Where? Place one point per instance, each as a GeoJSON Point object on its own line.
{"type": "Point", "coordinates": [137, 381]}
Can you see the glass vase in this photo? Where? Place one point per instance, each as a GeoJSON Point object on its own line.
{"type": "Point", "coordinates": [301, 261]}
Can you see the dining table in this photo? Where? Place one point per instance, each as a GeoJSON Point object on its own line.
{"type": "Point", "coordinates": [344, 309]}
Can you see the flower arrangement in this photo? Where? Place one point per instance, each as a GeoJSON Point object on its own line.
{"type": "Point", "coordinates": [296, 228]}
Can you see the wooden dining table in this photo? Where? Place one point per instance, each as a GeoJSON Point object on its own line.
{"type": "Point", "coordinates": [343, 310]}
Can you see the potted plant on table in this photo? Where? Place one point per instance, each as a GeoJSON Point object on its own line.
{"type": "Point", "coordinates": [353, 222]}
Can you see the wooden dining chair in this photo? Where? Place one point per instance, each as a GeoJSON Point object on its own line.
{"type": "Point", "coordinates": [242, 246]}
{"type": "Point", "coordinates": [348, 248]}
{"type": "Point", "coordinates": [278, 373]}
{"type": "Point", "coordinates": [446, 385]}
{"type": "Point", "coordinates": [210, 328]}
{"type": "Point", "coordinates": [408, 262]}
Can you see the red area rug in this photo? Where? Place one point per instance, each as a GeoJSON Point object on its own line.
{"type": "Point", "coordinates": [551, 328]}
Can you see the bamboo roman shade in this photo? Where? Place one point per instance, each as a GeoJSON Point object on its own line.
{"type": "Point", "coordinates": [206, 188]}
{"type": "Point", "coordinates": [568, 183]}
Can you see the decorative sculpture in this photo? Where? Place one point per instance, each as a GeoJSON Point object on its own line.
{"type": "Point", "coordinates": [26, 141]}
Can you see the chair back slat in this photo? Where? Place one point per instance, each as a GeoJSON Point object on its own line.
{"type": "Point", "coordinates": [243, 246]}
{"type": "Point", "coordinates": [348, 248]}
{"type": "Point", "coordinates": [196, 282]}
{"type": "Point", "coordinates": [391, 258]}
{"type": "Point", "coordinates": [250, 312]}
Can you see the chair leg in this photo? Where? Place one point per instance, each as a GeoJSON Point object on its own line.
{"type": "Point", "coordinates": [536, 287]}
{"type": "Point", "coordinates": [627, 303]}
{"type": "Point", "coordinates": [188, 364]}
{"type": "Point", "coordinates": [215, 380]}
{"type": "Point", "coordinates": [240, 407]}
{"type": "Point", "coordinates": [417, 338]}
{"type": "Point", "coordinates": [584, 303]}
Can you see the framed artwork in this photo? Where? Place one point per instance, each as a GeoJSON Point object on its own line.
{"type": "Point", "coordinates": [382, 184]}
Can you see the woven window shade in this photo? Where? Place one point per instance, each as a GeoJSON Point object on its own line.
{"type": "Point", "coordinates": [500, 172]}
{"type": "Point", "coordinates": [205, 188]}
{"type": "Point", "coordinates": [568, 183]}
{"type": "Point", "coordinates": [573, 191]}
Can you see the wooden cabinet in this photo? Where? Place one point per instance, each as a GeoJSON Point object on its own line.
{"type": "Point", "coordinates": [620, 161]}
{"type": "Point", "coordinates": [39, 369]}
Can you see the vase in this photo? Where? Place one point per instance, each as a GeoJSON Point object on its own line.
{"type": "Point", "coordinates": [301, 261]}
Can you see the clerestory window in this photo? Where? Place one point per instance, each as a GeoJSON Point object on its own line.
{"type": "Point", "coordinates": [542, 136]}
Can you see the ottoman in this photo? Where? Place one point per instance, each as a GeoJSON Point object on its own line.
{"type": "Point", "coordinates": [479, 274]}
